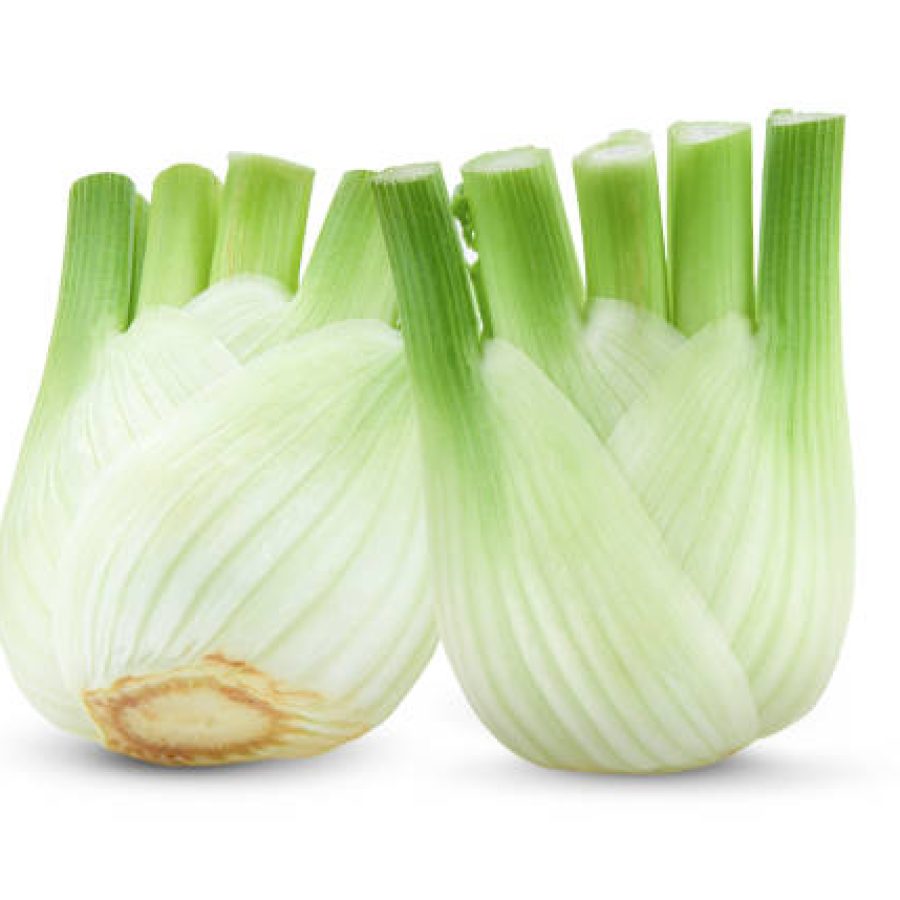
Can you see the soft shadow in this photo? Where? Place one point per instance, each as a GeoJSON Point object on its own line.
{"type": "Point", "coordinates": [756, 768]}
{"type": "Point", "coordinates": [62, 753]}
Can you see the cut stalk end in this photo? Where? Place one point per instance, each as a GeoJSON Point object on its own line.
{"type": "Point", "coordinates": [437, 311]}
{"type": "Point", "coordinates": [96, 285]}
{"type": "Point", "coordinates": [184, 215]}
{"type": "Point", "coordinates": [799, 266]}
{"type": "Point", "coordinates": [349, 276]}
{"type": "Point", "coordinates": [527, 266]}
{"type": "Point", "coordinates": [263, 220]}
{"type": "Point", "coordinates": [621, 221]}
{"type": "Point", "coordinates": [710, 222]}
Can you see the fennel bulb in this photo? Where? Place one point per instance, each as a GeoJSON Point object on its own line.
{"type": "Point", "coordinates": [640, 505]}
{"type": "Point", "coordinates": [213, 547]}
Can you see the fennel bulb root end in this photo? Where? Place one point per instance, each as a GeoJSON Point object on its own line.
{"type": "Point", "coordinates": [216, 711]}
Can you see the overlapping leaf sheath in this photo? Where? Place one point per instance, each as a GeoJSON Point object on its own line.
{"type": "Point", "coordinates": [213, 549]}
{"type": "Point", "coordinates": [640, 509]}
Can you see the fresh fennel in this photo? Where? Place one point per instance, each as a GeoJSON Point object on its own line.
{"type": "Point", "coordinates": [640, 506]}
{"type": "Point", "coordinates": [213, 548]}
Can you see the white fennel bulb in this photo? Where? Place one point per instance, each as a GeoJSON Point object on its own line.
{"type": "Point", "coordinates": [213, 548]}
{"type": "Point", "coordinates": [639, 492]}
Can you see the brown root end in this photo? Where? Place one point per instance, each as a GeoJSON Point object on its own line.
{"type": "Point", "coordinates": [214, 712]}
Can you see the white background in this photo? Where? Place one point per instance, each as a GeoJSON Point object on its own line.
{"type": "Point", "coordinates": [430, 806]}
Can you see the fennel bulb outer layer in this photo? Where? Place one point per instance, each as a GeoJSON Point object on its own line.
{"type": "Point", "coordinates": [640, 507]}
{"type": "Point", "coordinates": [213, 548]}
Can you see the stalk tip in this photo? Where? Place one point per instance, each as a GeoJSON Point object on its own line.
{"type": "Point", "coordinates": [99, 181]}
{"type": "Point", "coordinates": [705, 132]}
{"type": "Point", "coordinates": [787, 117]}
{"type": "Point", "coordinates": [272, 165]}
{"type": "Point", "coordinates": [620, 148]}
{"type": "Point", "coordinates": [500, 161]}
{"type": "Point", "coordinates": [411, 172]}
